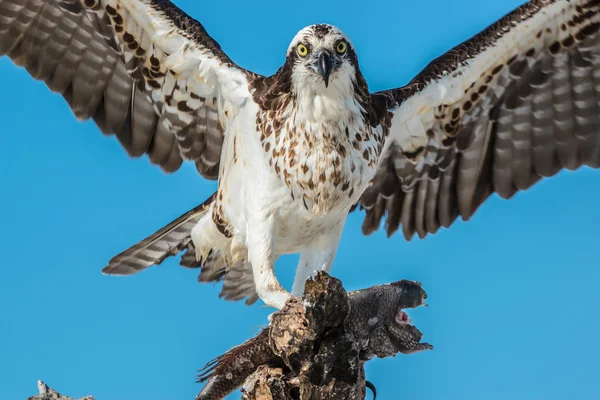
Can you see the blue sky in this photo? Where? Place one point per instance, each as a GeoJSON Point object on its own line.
{"type": "Point", "coordinates": [513, 293]}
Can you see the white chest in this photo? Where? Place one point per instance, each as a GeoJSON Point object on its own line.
{"type": "Point", "coordinates": [301, 171]}
{"type": "Point", "coordinates": [322, 151]}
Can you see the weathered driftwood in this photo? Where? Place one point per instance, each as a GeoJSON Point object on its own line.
{"type": "Point", "coordinates": [315, 348]}
{"type": "Point", "coordinates": [47, 393]}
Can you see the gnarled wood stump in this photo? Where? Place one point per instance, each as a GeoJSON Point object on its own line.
{"type": "Point", "coordinates": [315, 348]}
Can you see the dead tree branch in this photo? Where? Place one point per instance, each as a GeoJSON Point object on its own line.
{"type": "Point", "coordinates": [315, 348]}
{"type": "Point", "coordinates": [47, 393]}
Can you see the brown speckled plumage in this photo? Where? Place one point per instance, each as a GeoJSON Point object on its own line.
{"type": "Point", "coordinates": [288, 146]}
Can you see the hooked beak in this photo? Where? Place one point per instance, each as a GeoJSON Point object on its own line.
{"type": "Point", "coordinates": [326, 63]}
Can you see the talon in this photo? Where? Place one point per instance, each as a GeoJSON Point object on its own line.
{"type": "Point", "coordinates": [372, 388]}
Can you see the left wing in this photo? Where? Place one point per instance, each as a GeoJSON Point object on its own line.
{"type": "Point", "coordinates": [141, 69]}
{"type": "Point", "coordinates": [517, 102]}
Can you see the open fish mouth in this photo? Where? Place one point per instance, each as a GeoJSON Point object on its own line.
{"type": "Point", "coordinates": [403, 336]}
{"type": "Point", "coordinates": [402, 318]}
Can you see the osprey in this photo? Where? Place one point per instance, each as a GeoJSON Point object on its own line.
{"type": "Point", "coordinates": [295, 152]}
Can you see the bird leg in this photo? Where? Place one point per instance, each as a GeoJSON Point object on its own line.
{"type": "Point", "coordinates": [318, 256]}
{"type": "Point", "coordinates": [310, 263]}
{"type": "Point", "coordinates": [260, 254]}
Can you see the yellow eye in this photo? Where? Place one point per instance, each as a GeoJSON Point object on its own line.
{"type": "Point", "coordinates": [341, 47]}
{"type": "Point", "coordinates": [302, 50]}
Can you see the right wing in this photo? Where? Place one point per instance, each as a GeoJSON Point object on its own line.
{"type": "Point", "coordinates": [141, 69]}
{"type": "Point", "coordinates": [517, 102]}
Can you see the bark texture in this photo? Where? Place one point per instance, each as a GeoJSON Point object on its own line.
{"type": "Point", "coordinates": [316, 347]}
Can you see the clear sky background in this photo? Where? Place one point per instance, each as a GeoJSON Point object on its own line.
{"type": "Point", "coordinates": [513, 293]}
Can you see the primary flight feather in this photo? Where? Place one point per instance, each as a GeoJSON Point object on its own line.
{"type": "Point", "coordinates": [295, 152]}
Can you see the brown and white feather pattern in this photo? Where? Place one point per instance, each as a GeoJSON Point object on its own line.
{"type": "Point", "coordinates": [515, 103]}
{"type": "Point", "coordinates": [141, 69]}
{"type": "Point", "coordinates": [175, 238]}
{"type": "Point", "coordinates": [237, 278]}
{"type": "Point", "coordinates": [317, 160]}
{"type": "Point", "coordinates": [168, 241]}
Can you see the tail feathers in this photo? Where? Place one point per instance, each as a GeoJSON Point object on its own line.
{"type": "Point", "coordinates": [167, 241]}
{"type": "Point", "coordinates": [237, 278]}
{"type": "Point", "coordinates": [188, 258]}
{"type": "Point", "coordinates": [236, 275]}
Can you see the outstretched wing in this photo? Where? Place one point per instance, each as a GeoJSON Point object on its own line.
{"type": "Point", "coordinates": [141, 69]}
{"type": "Point", "coordinates": [517, 102]}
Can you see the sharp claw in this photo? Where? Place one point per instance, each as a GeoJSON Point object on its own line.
{"type": "Point", "coordinates": [372, 388]}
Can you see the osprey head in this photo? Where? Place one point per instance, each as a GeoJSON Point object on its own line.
{"type": "Point", "coordinates": [321, 56]}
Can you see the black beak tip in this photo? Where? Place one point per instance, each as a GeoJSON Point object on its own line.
{"type": "Point", "coordinates": [325, 66]}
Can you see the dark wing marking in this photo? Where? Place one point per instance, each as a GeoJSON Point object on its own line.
{"type": "Point", "coordinates": [141, 69]}
{"type": "Point", "coordinates": [517, 102]}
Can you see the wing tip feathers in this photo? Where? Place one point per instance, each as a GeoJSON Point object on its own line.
{"type": "Point", "coordinates": [120, 270]}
